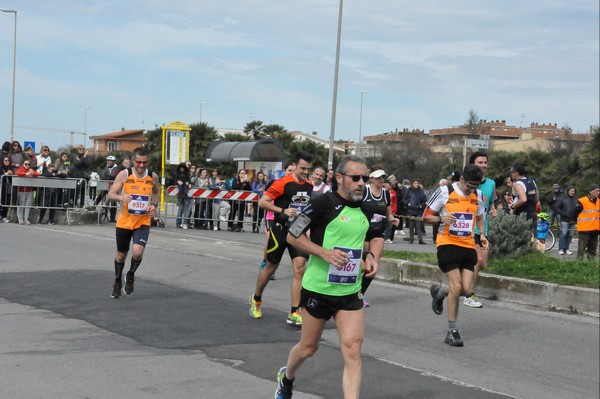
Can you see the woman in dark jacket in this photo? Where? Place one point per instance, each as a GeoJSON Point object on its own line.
{"type": "Point", "coordinates": [240, 183]}
{"type": "Point", "coordinates": [415, 200]}
{"type": "Point", "coordinates": [184, 203]}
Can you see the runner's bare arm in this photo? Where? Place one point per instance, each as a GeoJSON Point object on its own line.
{"type": "Point", "coordinates": [304, 244]}
{"type": "Point", "coordinates": [115, 190]}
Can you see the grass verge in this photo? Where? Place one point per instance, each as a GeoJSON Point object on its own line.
{"type": "Point", "coordinates": [532, 266]}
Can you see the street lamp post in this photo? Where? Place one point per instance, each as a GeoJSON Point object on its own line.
{"type": "Point", "coordinates": [362, 94]}
{"type": "Point", "coordinates": [12, 115]}
{"type": "Point", "coordinates": [335, 86]}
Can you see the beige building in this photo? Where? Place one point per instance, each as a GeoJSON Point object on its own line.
{"type": "Point", "coordinates": [497, 135]}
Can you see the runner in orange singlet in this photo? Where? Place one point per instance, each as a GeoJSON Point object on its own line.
{"type": "Point", "coordinates": [136, 189]}
{"type": "Point", "coordinates": [460, 207]}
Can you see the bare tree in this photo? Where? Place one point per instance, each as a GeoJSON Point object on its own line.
{"type": "Point", "coordinates": [473, 123]}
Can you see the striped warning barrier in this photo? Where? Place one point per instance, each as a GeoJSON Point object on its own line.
{"type": "Point", "coordinates": [216, 194]}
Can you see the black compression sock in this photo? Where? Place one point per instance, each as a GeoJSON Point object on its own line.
{"type": "Point", "coordinates": [134, 265]}
{"type": "Point", "coordinates": [287, 382]}
{"type": "Point", "coordinates": [119, 270]}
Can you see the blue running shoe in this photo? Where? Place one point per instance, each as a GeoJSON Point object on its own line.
{"type": "Point", "coordinates": [283, 391]}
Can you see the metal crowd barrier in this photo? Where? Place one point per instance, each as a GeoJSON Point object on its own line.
{"type": "Point", "coordinates": [62, 194]}
{"type": "Point", "coordinates": [207, 209]}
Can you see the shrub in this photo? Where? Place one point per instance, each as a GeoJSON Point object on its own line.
{"type": "Point", "coordinates": [509, 236]}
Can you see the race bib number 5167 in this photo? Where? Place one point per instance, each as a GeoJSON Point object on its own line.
{"type": "Point", "coordinates": [348, 273]}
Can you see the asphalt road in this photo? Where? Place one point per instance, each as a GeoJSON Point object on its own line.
{"type": "Point", "coordinates": [186, 332]}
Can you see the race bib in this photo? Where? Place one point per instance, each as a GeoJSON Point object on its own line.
{"type": "Point", "coordinates": [348, 273]}
{"type": "Point", "coordinates": [463, 227]}
{"type": "Point", "coordinates": [138, 204]}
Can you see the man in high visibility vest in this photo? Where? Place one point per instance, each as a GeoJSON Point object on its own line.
{"type": "Point", "coordinates": [588, 222]}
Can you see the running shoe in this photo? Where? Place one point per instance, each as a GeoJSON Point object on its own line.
{"type": "Point", "coordinates": [569, 252]}
{"type": "Point", "coordinates": [273, 277]}
{"type": "Point", "coordinates": [388, 241]}
{"type": "Point", "coordinates": [436, 304]}
{"type": "Point", "coordinates": [255, 310]}
{"type": "Point", "coordinates": [283, 391]}
{"type": "Point", "coordinates": [129, 283]}
{"type": "Point", "coordinates": [561, 252]}
{"type": "Point", "coordinates": [116, 294]}
{"type": "Point", "coordinates": [472, 302]}
{"type": "Point", "coordinates": [453, 338]}
{"type": "Point", "coordinates": [294, 319]}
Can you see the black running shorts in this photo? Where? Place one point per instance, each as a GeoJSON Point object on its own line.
{"type": "Point", "coordinates": [278, 243]}
{"type": "Point", "coordinates": [325, 306]}
{"type": "Point", "coordinates": [452, 257]}
{"type": "Point", "coordinates": [124, 237]}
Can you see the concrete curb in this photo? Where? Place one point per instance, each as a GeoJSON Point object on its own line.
{"type": "Point", "coordinates": [510, 289]}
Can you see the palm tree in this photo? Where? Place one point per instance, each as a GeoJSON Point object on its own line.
{"type": "Point", "coordinates": [274, 130]}
{"type": "Point", "coordinates": [201, 137]}
{"type": "Point", "coordinates": [255, 129]}
{"type": "Point", "coordinates": [319, 152]}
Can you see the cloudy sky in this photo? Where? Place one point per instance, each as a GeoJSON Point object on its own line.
{"type": "Point", "coordinates": [136, 64]}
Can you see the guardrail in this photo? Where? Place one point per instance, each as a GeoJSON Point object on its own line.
{"type": "Point", "coordinates": [54, 194]}
{"type": "Point", "coordinates": [206, 209]}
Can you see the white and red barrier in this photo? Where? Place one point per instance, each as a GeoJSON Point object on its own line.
{"type": "Point", "coordinates": [216, 194]}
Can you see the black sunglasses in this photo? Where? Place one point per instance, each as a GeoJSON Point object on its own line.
{"type": "Point", "coordinates": [356, 178]}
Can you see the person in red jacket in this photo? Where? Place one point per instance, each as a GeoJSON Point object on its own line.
{"type": "Point", "coordinates": [25, 194]}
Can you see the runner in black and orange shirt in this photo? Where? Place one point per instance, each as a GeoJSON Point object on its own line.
{"type": "Point", "coordinates": [460, 208]}
{"type": "Point", "coordinates": [136, 189]}
{"type": "Point", "coordinates": [286, 198]}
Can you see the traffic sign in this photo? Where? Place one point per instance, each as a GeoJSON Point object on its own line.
{"type": "Point", "coordinates": [29, 143]}
{"type": "Point", "coordinates": [473, 143]}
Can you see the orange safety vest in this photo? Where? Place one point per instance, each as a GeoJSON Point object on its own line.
{"type": "Point", "coordinates": [589, 218]}
{"type": "Point", "coordinates": [134, 214]}
{"type": "Point", "coordinates": [461, 232]}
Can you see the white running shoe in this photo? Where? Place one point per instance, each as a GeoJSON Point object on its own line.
{"type": "Point", "coordinates": [472, 302]}
{"type": "Point", "coordinates": [388, 241]}
{"type": "Point", "coordinates": [402, 232]}
{"type": "Point", "coordinates": [561, 252]}
{"type": "Point", "coordinates": [569, 252]}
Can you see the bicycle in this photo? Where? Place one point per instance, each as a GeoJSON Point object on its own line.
{"type": "Point", "coordinates": [544, 234]}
